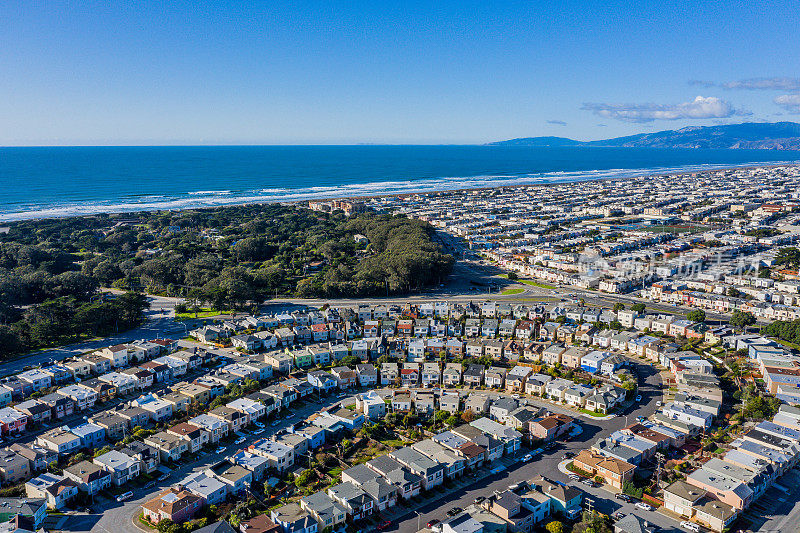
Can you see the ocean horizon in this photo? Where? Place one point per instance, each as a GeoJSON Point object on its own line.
{"type": "Point", "coordinates": [47, 182]}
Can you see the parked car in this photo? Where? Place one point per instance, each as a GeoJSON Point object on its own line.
{"type": "Point", "coordinates": [383, 525]}
{"type": "Point", "coordinates": [258, 431]}
{"type": "Point", "coordinates": [240, 440]}
{"type": "Point", "coordinates": [220, 449]}
{"type": "Point", "coordinates": [479, 499]}
{"type": "Point", "coordinates": [568, 455]}
{"type": "Point", "coordinates": [618, 515]}
{"type": "Point", "coordinates": [691, 526]}
{"type": "Point", "coordinates": [574, 477]}
{"type": "Point", "coordinates": [643, 506]}
{"type": "Point", "coordinates": [454, 511]}
{"type": "Point", "coordinates": [528, 457]}
{"type": "Point", "coordinates": [124, 496]}
{"type": "Point", "coordinates": [623, 497]}
{"type": "Point", "coordinates": [432, 523]}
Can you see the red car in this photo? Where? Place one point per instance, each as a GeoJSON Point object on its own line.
{"type": "Point", "coordinates": [432, 523]}
{"type": "Point", "coordinates": [383, 525]}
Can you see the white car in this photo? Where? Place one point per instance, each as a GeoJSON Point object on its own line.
{"type": "Point", "coordinates": [658, 404]}
{"type": "Point", "coordinates": [239, 440]}
{"type": "Point", "coordinates": [259, 431]}
{"type": "Point", "coordinates": [528, 457]}
{"type": "Point", "coordinates": [643, 506]}
{"type": "Point", "coordinates": [691, 526]}
{"type": "Point", "coordinates": [221, 449]}
{"type": "Point", "coordinates": [258, 424]}
{"type": "Point", "coordinates": [574, 477]}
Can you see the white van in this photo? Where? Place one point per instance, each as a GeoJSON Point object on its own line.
{"type": "Point", "coordinates": [124, 496]}
{"type": "Point", "coordinates": [691, 526]}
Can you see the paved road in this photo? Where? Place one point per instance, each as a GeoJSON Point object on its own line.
{"type": "Point", "coordinates": [159, 322]}
{"type": "Point", "coordinates": [115, 517]}
{"type": "Point", "coordinates": [119, 517]}
{"type": "Point", "coordinates": [778, 509]}
{"type": "Point", "coordinates": [547, 464]}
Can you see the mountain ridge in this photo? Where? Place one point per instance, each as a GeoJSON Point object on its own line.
{"type": "Point", "coordinates": [744, 136]}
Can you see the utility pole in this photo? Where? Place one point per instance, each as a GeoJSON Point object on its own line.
{"type": "Point", "coordinates": [659, 468]}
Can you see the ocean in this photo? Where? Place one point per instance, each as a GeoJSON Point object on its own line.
{"type": "Point", "coordinates": [41, 182]}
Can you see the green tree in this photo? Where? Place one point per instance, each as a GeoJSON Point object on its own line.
{"type": "Point", "coordinates": [742, 319]}
{"type": "Point", "coordinates": [696, 315]}
{"type": "Point", "coordinates": [639, 308]}
{"type": "Point", "coordinates": [619, 306]}
{"type": "Point", "coordinates": [555, 527]}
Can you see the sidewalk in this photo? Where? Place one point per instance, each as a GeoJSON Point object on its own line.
{"type": "Point", "coordinates": [467, 480]}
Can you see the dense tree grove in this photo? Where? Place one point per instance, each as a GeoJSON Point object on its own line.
{"type": "Point", "coordinates": [787, 330]}
{"type": "Point", "coordinates": [50, 270]}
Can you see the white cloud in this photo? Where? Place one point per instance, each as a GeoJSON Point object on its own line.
{"type": "Point", "coordinates": [557, 122]}
{"type": "Point", "coordinates": [755, 84]}
{"type": "Point", "coordinates": [790, 102]}
{"type": "Point", "coordinates": [702, 107]}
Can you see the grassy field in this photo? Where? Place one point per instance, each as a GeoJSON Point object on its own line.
{"type": "Point", "coordinates": [536, 284]}
{"type": "Point", "coordinates": [203, 312]}
{"type": "Point", "coordinates": [508, 292]}
{"type": "Point", "coordinates": [678, 228]}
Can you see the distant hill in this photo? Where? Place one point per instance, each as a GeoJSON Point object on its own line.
{"type": "Point", "coordinates": [749, 135]}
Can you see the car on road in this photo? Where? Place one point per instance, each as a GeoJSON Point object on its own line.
{"type": "Point", "coordinates": [623, 497]}
{"type": "Point", "coordinates": [618, 515]}
{"type": "Point", "coordinates": [691, 526]}
{"type": "Point", "coordinates": [588, 482]}
{"type": "Point", "coordinates": [454, 511]}
{"type": "Point", "coordinates": [658, 403]}
{"type": "Point", "coordinates": [240, 440]}
{"type": "Point", "coordinates": [643, 506]}
{"type": "Point", "coordinates": [383, 525]}
{"type": "Point", "coordinates": [638, 397]}
{"type": "Point", "coordinates": [432, 523]}
{"type": "Point", "coordinates": [567, 455]}
{"type": "Point", "coordinates": [275, 423]}
{"type": "Point", "coordinates": [258, 424]}
{"type": "Point", "coordinates": [124, 496]}
{"type": "Point", "coordinates": [574, 477]}
{"type": "Point", "coordinates": [477, 500]}
{"type": "Point", "coordinates": [258, 431]}
{"type": "Point", "coordinates": [528, 457]}
{"type": "Point", "coordinates": [220, 449]}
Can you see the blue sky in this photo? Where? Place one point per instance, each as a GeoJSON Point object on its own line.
{"type": "Point", "coordinates": [388, 72]}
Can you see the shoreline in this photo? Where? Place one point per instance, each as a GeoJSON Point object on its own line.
{"type": "Point", "coordinates": [10, 219]}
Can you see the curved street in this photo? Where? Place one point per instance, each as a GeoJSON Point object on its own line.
{"type": "Point", "coordinates": [118, 517]}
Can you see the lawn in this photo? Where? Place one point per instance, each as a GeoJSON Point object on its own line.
{"type": "Point", "coordinates": [509, 292]}
{"type": "Point", "coordinates": [203, 312]}
{"type": "Point", "coordinates": [677, 228]}
{"type": "Point", "coordinates": [536, 284]}
{"type": "Point", "coordinates": [592, 413]}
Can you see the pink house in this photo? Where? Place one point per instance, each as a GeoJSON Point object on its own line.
{"type": "Point", "coordinates": [12, 421]}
